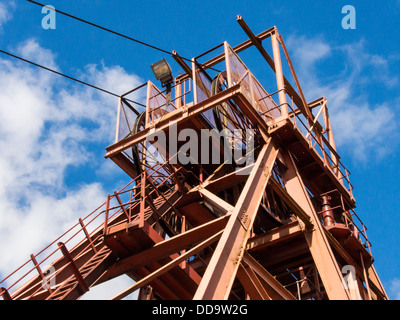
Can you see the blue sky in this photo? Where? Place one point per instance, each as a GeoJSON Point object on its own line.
{"type": "Point", "coordinates": [54, 131]}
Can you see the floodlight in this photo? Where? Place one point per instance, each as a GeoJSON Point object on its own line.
{"type": "Point", "coordinates": [163, 72]}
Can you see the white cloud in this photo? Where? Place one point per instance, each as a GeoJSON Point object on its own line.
{"type": "Point", "coordinates": [31, 50]}
{"type": "Point", "coordinates": [367, 67]}
{"type": "Point", "coordinates": [361, 126]}
{"type": "Point", "coordinates": [309, 50]}
{"type": "Point", "coordinates": [29, 226]}
{"type": "Point", "coordinates": [6, 12]}
{"type": "Point", "coordinates": [49, 124]}
{"type": "Point", "coordinates": [365, 129]}
{"type": "Point", "coordinates": [394, 289]}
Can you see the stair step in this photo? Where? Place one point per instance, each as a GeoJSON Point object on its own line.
{"type": "Point", "coordinates": [62, 291]}
{"type": "Point", "coordinates": [94, 261]}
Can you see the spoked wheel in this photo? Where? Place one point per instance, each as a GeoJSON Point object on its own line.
{"type": "Point", "coordinates": [147, 159]}
{"type": "Point", "coordinates": [137, 149]}
{"type": "Point", "coordinates": [220, 83]}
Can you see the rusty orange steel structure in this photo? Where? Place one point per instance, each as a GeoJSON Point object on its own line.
{"type": "Point", "coordinates": [281, 227]}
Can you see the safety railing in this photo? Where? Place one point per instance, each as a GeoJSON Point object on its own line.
{"type": "Point", "coordinates": [159, 103]}
{"type": "Point", "coordinates": [269, 108]}
{"type": "Point", "coordinates": [82, 236]}
{"type": "Point", "coordinates": [237, 72]}
{"type": "Point", "coordinates": [318, 142]}
{"type": "Point", "coordinates": [358, 228]}
{"type": "Point", "coordinates": [156, 105]}
{"type": "Point", "coordinates": [159, 181]}
{"type": "Point", "coordinates": [129, 110]}
{"type": "Point", "coordinates": [265, 103]}
{"type": "Point", "coordinates": [124, 206]}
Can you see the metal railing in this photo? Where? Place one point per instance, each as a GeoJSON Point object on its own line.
{"type": "Point", "coordinates": [37, 264]}
{"type": "Point", "coordinates": [127, 112]}
{"type": "Point", "coordinates": [323, 148]}
{"type": "Point", "coordinates": [270, 110]}
{"type": "Point", "coordinates": [316, 140]}
{"type": "Point", "coordinates": [121, 207]}
{"type": "Point", "coordinates": [156, 105]}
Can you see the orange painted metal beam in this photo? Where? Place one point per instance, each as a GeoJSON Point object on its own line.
{"type": "Point", "coordinates": [221, 271]}
{"type": "Point", "coordinates": [165, 248]}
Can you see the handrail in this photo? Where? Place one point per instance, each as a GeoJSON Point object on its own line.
{"type": "Point", "coordinates": [119, 209]}
{"type": "Point", "coordinates": [333, 165]}
{"type": "Point", "coordinates": [94, 215]}
{"type": "Point", "coordinates": [151, 97]}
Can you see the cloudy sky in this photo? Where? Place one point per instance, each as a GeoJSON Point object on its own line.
{"type": "Point", "coordinates": [54, 131]}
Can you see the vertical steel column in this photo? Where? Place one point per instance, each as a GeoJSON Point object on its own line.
{"type": "Point", "coordinates": [148, 93]}
{"type": "Point", "coordinates": [142, 199]}
{"type": "Point", "coordinates": [365, 276]}
{"type": "Point", "coordinates": [118, 119]}
{"type": "Point", "coordinates": [279, 74]}
{"type": "Point", "coordinates": [228, 64]}
{"type": "Point", "coordinates": [178, 99]}
{"type": "Point", "coordinates": [194, 81]}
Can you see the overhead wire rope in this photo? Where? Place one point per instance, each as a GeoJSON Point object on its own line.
{"type": "Point", "coordinates": [113, 32]}
{"type": "Point", "coordinates": [66, 76]}
{"type": "Point", "coordinates": [98, 26]}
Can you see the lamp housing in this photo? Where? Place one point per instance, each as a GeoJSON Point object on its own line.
{"type": "Point", "coordinates": [163, 72]}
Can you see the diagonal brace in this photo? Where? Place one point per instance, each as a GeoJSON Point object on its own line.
{"type": "Point", "coordinates": [218, 278]}
{"type": "Point", "coordinates": [146, 280]}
